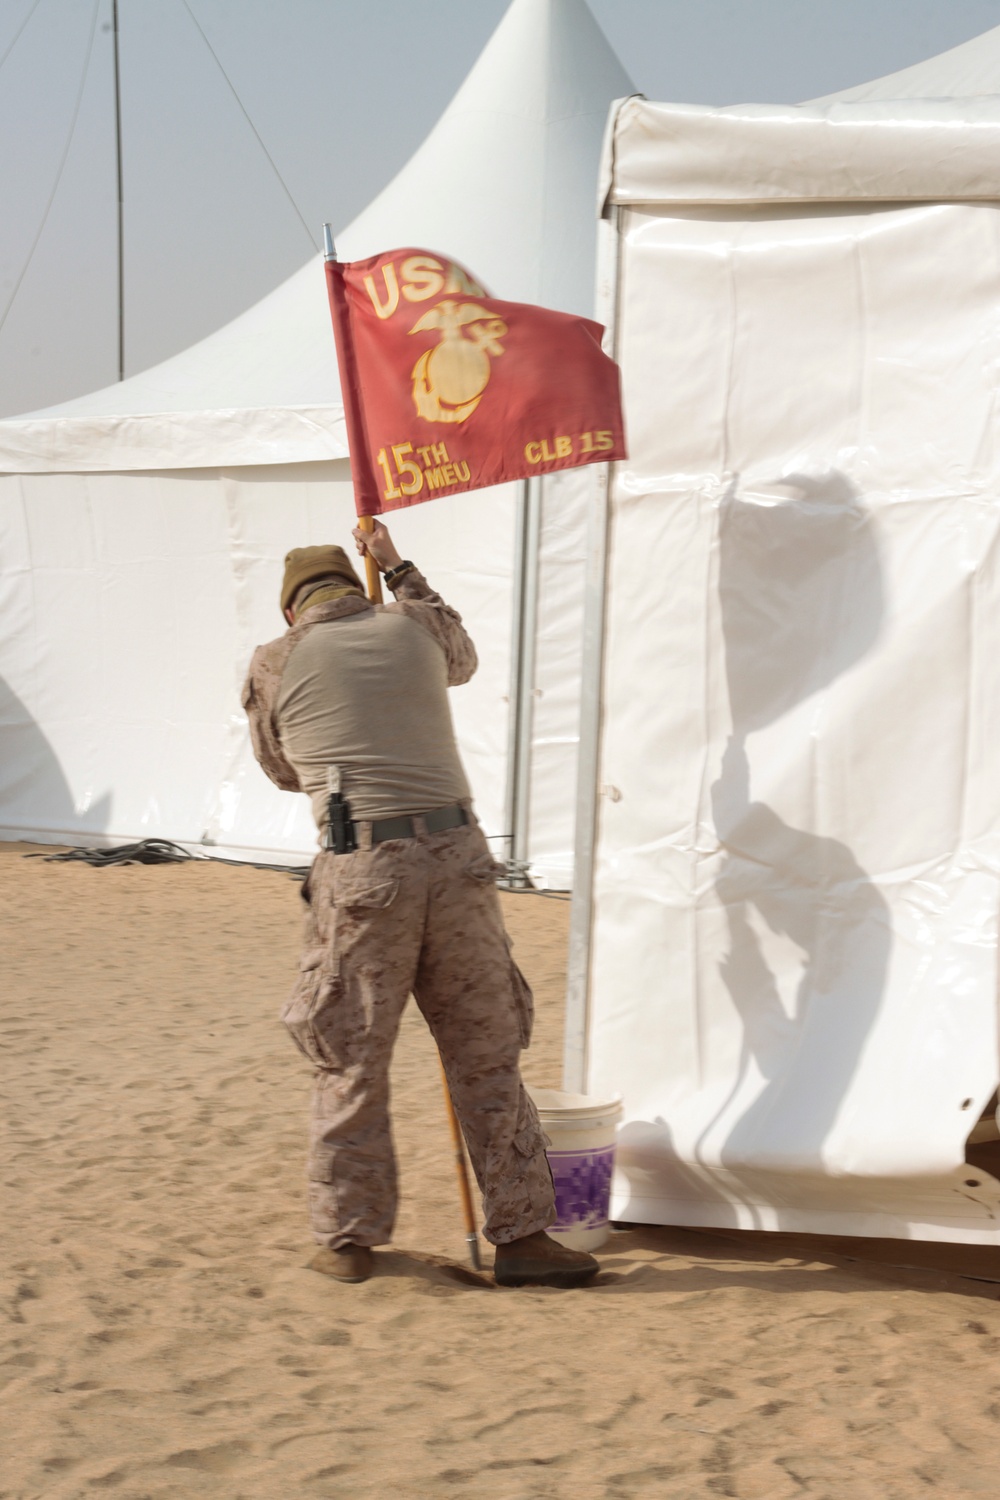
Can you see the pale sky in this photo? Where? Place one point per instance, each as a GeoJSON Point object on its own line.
{"type": "Point", "coordinates": [341, 94]}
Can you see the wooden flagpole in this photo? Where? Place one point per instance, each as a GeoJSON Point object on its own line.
{"type": "Point", "coordinates": [462, 1171]}
{"type": "Point", "coordinates": [374, 581]}
{"type": "Point", "coordinates": [367, 523]}
{"type": "Point", "coordinates": [372, 574]}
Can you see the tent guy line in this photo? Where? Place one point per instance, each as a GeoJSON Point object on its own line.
{"type": "Point", "coordinates": [119, 171]}
{"type": "Point", "coordinates": [314, 243]}
{"type": "Point", "coordinates": [62, 160]}
{"type": "Point", "coordinates": [17, 34]}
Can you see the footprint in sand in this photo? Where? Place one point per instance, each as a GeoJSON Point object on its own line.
{"type": "Point", "coordinates": [220, 1458]}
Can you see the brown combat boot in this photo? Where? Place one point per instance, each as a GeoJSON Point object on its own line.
{"type": "Point", "coordinates": [350, 1263]}
{"type": "Point", "coordinates": [539, 1260]}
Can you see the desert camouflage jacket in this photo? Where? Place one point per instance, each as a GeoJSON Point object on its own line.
{"type": "Point", "coordinates": [414, 597]}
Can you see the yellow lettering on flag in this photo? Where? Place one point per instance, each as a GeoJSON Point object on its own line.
{"type": "Point", "coordinates": [388, 307]}
{"type": "Point", "coordinates": [422, 278]}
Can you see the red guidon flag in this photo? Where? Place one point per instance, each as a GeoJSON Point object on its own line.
{"type": "Point", "coordinates": [446, 389]}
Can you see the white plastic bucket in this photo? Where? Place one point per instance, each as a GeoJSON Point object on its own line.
{"type": "Point", "coordinates": [581, 1152]}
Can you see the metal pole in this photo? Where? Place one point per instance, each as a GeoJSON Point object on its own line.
{"type": "Point", "coordinates": [515, 875]}
{"type": "Point", "coordinates": [121, 199]}
{"type": "Point", "coordinates": [367, 523]}
{"type": "Point", "coordinates": [526, 687]}
{"type": "Point", "coordinates": [575, 1055]}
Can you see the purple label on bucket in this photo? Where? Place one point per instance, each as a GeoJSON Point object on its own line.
{"type": "Point", "coordinates": [583, 1186]}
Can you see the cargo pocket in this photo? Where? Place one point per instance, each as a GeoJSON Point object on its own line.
{"type": "Point", "coordinates": [364, 896]}
{"type": "Point", "coordinates": [536, 1173]}
{"type": "Point", "coordinates": [485, 870]}
{"type": "Point", "coordinates": [320, 1165]}
{"type": "Point", "coordinates": [524, 1004]}
{"type": "Point", "coordinates": [313, 1013]}
{"type": "Point", "coordinates": [529, 1142]}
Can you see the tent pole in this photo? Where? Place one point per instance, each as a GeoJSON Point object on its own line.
{"type": "Point", "coordinates": [516, 878]}
{"type": "Point", "coordinates": [576, 1061]}
{"type": "Point", "coordinates": [522, 692]}
{"type": "Point", "coordinates": [526, 691]}
{"type": "Point", "coordinates": [373, 577]}
{"type": "Point", "coordinates": [121, 198]}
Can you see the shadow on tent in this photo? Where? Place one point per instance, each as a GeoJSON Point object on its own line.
{"type": "Point", "coordinates": [801, 600]}
{"type": "Point", "coordinates": [35, 796]}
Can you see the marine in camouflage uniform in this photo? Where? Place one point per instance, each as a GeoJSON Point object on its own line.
{"type": "Point", "coordinates": [353, 696]}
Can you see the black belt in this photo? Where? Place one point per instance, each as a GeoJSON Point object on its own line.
{"type": "Point", "coordinates": [437, 821]}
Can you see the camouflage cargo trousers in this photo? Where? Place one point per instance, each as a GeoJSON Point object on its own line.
{"type": "Point", "coordinates": [420, 916]}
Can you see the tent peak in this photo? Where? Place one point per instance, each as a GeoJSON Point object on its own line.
{"type": "Point", "coordinates": [967, 71]}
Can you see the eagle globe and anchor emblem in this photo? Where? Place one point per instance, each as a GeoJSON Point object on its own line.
{"type": "Point", "coordinates": [450, 379]}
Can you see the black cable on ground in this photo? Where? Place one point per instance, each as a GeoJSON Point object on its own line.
{"type": "Point", "coordinates": [154, 852]}
{"type": "Point", "coordinates": [146, 852]}
{"type": "Point", "coordinates": [529, 890]}
{"type": "Point", "coordinates": [163, 852]}
{"type": "Point", "coordinates": [297, 872]}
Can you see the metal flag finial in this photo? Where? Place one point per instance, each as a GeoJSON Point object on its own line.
{"type": "Point", "coordinates": [329, 248]}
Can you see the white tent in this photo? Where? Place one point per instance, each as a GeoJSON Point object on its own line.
{"type": "Point", "coordinates": [960, 73]}
{"type": "Point", "coordinates": [784, 945]}
{"type": "Point", "coordinates": [142, 527]}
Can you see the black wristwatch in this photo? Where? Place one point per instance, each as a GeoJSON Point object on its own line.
{"type": "Point", "coordinates": [392, 575]}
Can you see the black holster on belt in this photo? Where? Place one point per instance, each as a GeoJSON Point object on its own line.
{"type": "Point", "coordinates": [340, 834]}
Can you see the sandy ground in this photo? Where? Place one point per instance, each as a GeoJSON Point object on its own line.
{"type": "Point", "coordinates": [164, 1338]}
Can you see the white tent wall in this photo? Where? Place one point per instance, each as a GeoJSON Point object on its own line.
{"type": "Point", "coordinates": [131, 604]}
{"type": "Point", "coordinates": [233, 429]}
{"type": "Point", "coordinates": [554, 707]}
{"type": "Point", "coordinates": [82, 574]}
{"type": "Point", "coordinates": [786, 959]}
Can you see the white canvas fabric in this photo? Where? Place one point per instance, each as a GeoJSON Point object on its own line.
{"type": "Point", "coordinates": [202, 472]}
{"type": "Point", "coordinates": [793, 971]}
{"type": "Point", "coordinates": [885, 151]}
{"type": "Point", "coordinates": [160, 585]}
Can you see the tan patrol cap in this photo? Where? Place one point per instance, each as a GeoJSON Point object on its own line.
{"type": "Point", "coordinates": [307, 564]}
